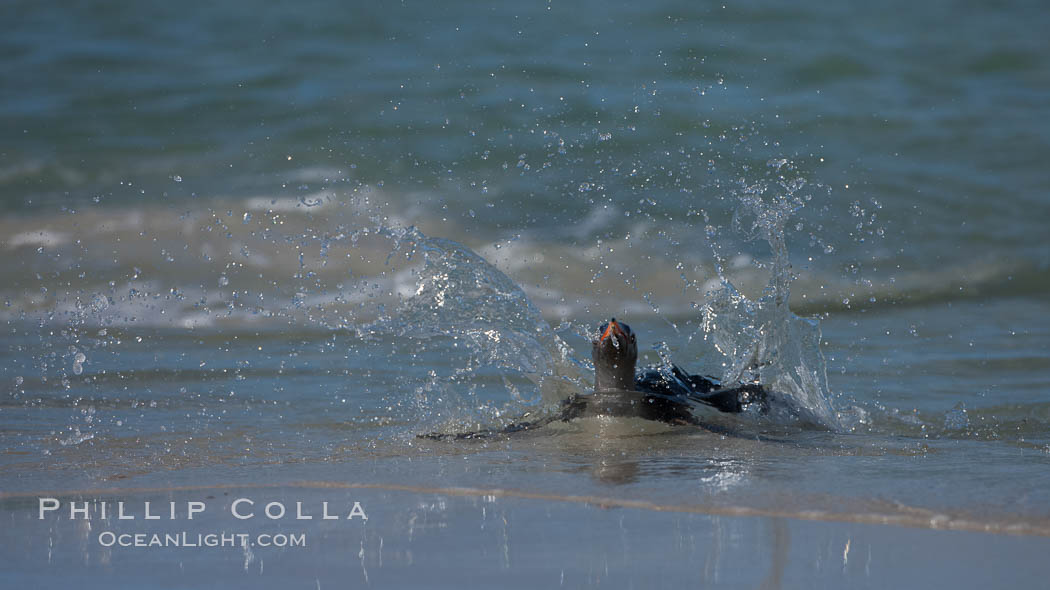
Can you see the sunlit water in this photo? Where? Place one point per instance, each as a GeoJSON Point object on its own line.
{"type": "Point", "coordinates": [276, 255]}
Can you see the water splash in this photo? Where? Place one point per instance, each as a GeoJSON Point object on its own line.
{"type": "Point", "coordinates": [493, 340]}
{"type": "Point", "coordinates": [498, 341]}
{"type": "Point", "coordinates": [763, 341]}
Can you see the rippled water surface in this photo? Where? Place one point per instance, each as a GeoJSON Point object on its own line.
{"type": "Point", "coordinates": [262, 248]}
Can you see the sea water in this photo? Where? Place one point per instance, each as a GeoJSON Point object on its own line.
{"type": "Point", "coordinates": [257, 251]}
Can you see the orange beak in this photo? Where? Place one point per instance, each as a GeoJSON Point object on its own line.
{"type": "Point", "coordinates": [613, 328]}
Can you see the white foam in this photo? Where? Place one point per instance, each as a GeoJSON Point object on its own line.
{"type": "Point", "coordinates": [305, 204]}
{"type": "Point", "coordinates": [40, 238]}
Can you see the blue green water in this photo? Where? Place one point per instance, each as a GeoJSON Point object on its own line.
{"type": "Point", "coordinates": [260, 244]}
